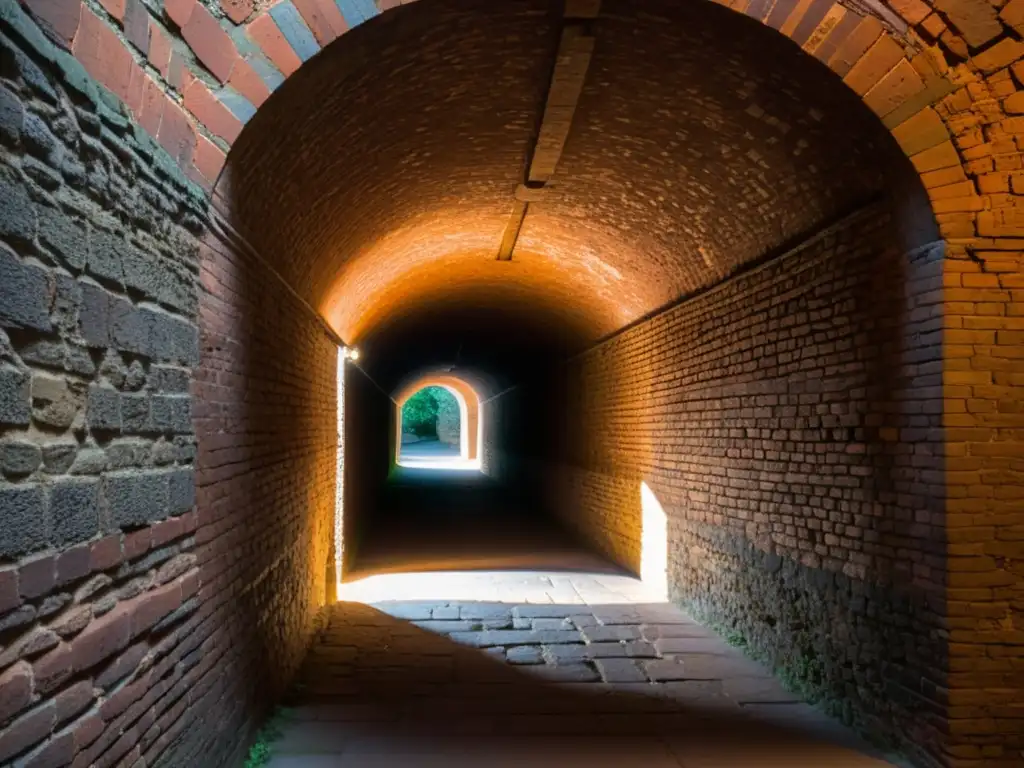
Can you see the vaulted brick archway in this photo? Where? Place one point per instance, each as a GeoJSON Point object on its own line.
{"type": "Point", "coordinates": [760, 260]}
{"type": "Point", "coordinates": [470, 426]}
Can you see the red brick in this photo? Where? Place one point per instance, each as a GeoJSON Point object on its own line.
{"type": "Point", "coordinates": [124, 697]}
{"type": "Point", "coordinates": [159, 49]}
{"type": "Point", "coordinates": [61, 16]}
{"type": "Point", "coordinates": [74, 700]}
{"type": "Point", "coordinates": [29, 729]}
{"type": "Point", "coordinates": [15, 690]}
{"type": "Point", "coordinates": [189, 584]}
{"type": "Point", "coordinates": [52, 669]}
{"type": "Point", "coordinates": [86, 731]}
{"type": "Point", "coordinates": [105, 553]}
{"type": "Point", "coordinates": [126, 663]}
{"type": "Point", "coordinates": [152, 107]}
{"type": "Point", "coordinates": [114, 7]}
{"type": "Point", "coordinates": [153, 606]}
{"type": "Point", "coordinates": [57, 752]}
{"type": "Point", "coordinates": [10, 597]}
{"type": "Point", "coordinates": [136, 88]}
{"type": "Point", "coordinates": [179, 11]}
{"type": "Point", "coordinates": [103, 54]}
{"type": "Point", "coordinates": [170, 529]}
{"type": "Point", "coordinates": [245, 80]}
{"type": "Point", "coordinates": [37, 575]}
{"type": "Point", "coordinates": [217, 118]}
{"type": "Point", "coordinates": [176, 135]}
{"type": "Point", "coordinates": [268, 37]}
{"type": "Point", "coordinates": [73, 564]}
{"type": "Point", "coordinates": [101, 639]}
{"type": "Point", "coordinates": [189, 521]}
{"type": "Point", "coordinates": [324, 19]}
{"type": "Point", "coordinates": [237, 10]}
{"type": "Point", "coordinates": [138, 543]}
{"type": "Point", "coordinates": [210, 42]}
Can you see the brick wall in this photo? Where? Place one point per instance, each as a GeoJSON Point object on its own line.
{"type": "Point", "coordinates": [99, 587]}
{"type": "Point", "coordinates": [266, 423]}
{"type": "Point", "coordinates": [789, 422]}
{"type": "Point", "coordinates": [983, 377]}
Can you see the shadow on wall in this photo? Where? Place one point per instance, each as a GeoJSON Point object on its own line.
{"type": "Point", "coordinates": [267, 472]}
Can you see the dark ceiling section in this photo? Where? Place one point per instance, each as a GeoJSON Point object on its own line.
{"type": "Point", "coordinates": [379, 179]}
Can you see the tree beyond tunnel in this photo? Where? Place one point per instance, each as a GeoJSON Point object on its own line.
{"type": "Point", "coordinates": [717, 306]}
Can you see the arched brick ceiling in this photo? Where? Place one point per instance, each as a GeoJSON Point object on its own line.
{"type": "Point", "coordinates": [380, 177]}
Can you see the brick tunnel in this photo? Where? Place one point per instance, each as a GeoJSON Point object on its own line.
{"type": "Point", "coordinates": [730, 294]}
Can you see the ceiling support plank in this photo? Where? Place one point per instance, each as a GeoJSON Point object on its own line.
{"type": "Point", "coordinates": [575, 50]}
{"type": "Point", "coordinates": [512, 229]}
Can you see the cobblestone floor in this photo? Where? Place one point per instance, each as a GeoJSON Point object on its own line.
{"type": "Point", "coordinates": [534, 668]}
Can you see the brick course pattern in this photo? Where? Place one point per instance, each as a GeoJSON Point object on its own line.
{"type": "Point", "coordinates": [790, 422]}
{"type": "Point", "coordinates": [265, 414]}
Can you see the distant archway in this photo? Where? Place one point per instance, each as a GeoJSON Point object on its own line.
{"type": "Point", "coordinates": [469, 412]}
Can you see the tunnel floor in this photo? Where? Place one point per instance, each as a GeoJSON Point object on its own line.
{"type": "Point", "coordinates": [538, 668]}
{"type": "Point", "coordinates": [473, 633]}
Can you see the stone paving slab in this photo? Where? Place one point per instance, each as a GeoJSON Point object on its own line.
{"type": "Point", "coordinates": [450, 682]}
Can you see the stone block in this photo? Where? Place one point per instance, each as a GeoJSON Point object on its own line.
{"type": "Point", "coordinates": [104, 408]}
{"type": "Point", "coordinates": [136, 498]}
{"type": "Point", "coordinates": [17, 215]}
{"type": "Point", "coordinates": [168, 379]}
{"type": "Point", "coordinates": [19, 458]}
{"type": "Point", "coordinates": [74, 510]}
{"type": "Point", "coordinates": [24, 293]}
{"type": "Point", "coordinates": [131, 327]}
{"type": "Point", "coordinates": [172, 414]}
{"type": "Point", "coordinates": [174, 340]}
{"type": "Point", "coordinates": [105, 254]}
{"type": "Point", "coordinates": [59, 455]}
{"type": "Point", "coordinates": [15, 396]}
{"type": "Point", "coordinates": [63, 235]}
{"type": "Point", "coordinates": [182, 484]}
{"type": "Point", "coordinates": [94, 316]}
{"type": "Point", "coordinates": [23, 527]}
{"type": "Point", "coordinates": [37, 138]}
{"type": "Point", "coordinates": [135, 413]}
{"type": "Point", "coordinates": [11, 114]}
{"type": "Point", "coordinates": [89, 461]}
{"type": "Point", "coordinates": [56, 402]}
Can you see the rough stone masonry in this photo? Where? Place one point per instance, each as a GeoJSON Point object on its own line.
{"type": "Point", "coordinates": [98, 338]}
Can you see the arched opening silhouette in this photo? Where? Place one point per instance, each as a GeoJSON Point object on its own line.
{"type": "Point", "coordinates": [438, 423]}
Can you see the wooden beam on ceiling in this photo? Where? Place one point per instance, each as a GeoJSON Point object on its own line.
{"type": "Point", "coordinates": [575, 50]}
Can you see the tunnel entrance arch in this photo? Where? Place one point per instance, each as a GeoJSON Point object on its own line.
{"type": "Point", "coordinates": [470, 423]}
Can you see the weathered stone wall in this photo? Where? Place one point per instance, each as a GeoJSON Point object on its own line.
{"type": "Point", "coordinates": [99, 658]}
{"type": "Point", "coordinates": [789, 422]}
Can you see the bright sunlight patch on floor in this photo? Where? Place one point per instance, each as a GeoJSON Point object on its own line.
{"type": "Point", "coordinates": [653, 543]}
{"type": "Point", "coordinates": [441, 464]}
{"type": "Point", "coordinates": [498, 586]}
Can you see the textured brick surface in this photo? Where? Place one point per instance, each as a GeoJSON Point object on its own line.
{"type": "Point", "coordinates": [789, 423]}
